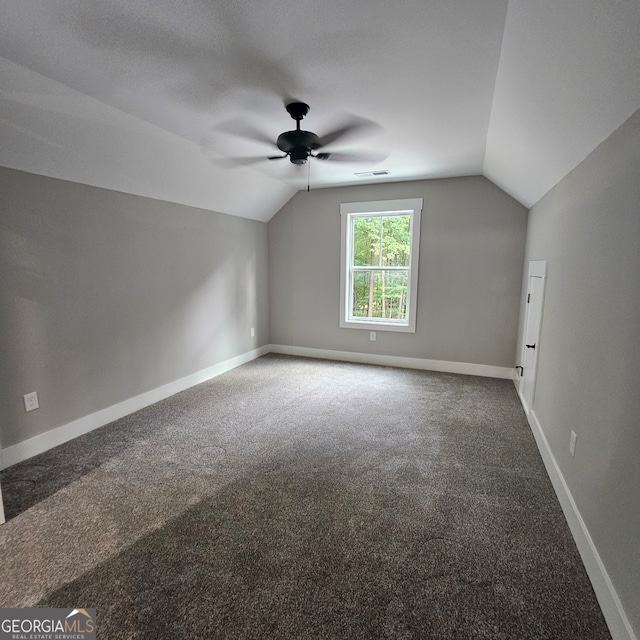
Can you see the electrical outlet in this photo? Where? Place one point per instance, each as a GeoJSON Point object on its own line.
{"type": "Point", "coordinates": [372, 336]}
{"type": "Point", "coordinates": [572, 443]}
{"type": "Point", "coordinates": [31, 401]}
{"type": "Point", "coordinates": [253, 332]}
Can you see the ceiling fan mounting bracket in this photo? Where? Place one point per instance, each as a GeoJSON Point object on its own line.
{"type": "Point", "coordinates": [297, 110]}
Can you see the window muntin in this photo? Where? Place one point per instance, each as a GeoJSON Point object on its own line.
{"type": "Point", "coordinates": [380, 243]}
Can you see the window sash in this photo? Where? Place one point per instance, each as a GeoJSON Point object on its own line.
{"type": "Point", "coordinates": [386, 302]}
{"type": "Point", "coordinates": [351, 316]}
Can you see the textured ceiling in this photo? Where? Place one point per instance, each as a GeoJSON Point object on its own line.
{"type": "Point", "coordinates": [132, 94]}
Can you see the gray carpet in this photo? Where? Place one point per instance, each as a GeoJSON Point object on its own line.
{"type": "Point", "coordinates": [296, 498]}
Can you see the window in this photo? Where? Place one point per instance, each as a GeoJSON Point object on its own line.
{"type": "Point", "coordinates": [379, 264]}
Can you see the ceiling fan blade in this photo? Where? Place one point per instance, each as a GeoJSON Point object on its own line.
{"type": "Point", "coordinates": [230, 163]}
{"type": "Point", "coordinates": [363, 156]}
{"type": "Point", "coordinates": [352, 126]}
{"type": "Point", "coordinates": [276, 157]}
{"type": "Point", "coordinates": [241, 129]}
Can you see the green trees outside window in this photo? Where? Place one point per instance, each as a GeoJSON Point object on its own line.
{"type": "Point", "coordinates": [380, 266]}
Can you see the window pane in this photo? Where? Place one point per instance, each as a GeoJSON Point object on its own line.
{"type": "Point", "coordinates": [380, 294]}
{"type": "Point", "coordinates": [366, 241]}
{"type": "Point", "coordinates": [396, 241]}
{"type": "Point", "coordinates": [381, 241]}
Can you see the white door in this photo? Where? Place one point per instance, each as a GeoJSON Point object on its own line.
{"type": "Point", "coordinates": [531, 338]}
{"type": "Point", "coordinates": [1, 508]}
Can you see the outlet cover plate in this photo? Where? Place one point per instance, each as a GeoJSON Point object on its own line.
{"type": "Point", "coordinates": [31, 401]}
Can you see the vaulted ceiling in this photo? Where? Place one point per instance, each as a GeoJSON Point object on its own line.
{"type": "Point", "coordinates": [153, 97]}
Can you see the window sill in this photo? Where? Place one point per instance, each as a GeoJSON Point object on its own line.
{"type": "Point", "coordinates": [377, 325]}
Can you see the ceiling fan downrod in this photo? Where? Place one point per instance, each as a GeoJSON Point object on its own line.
{"type": "Point", "coordinates": [298, 144]}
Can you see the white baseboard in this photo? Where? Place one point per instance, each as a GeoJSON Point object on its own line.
{"type": "Point", "coordinates": [612, 609]}
{"type": "Point", "coordinates": [488, 371]}
{"type": "Point", "coordinates": [49, 439]}
{"type": "Point", "coordinates": [45, 441]}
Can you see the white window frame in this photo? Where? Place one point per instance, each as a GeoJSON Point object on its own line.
{"type": "Point", "coordinates": [348, 212]}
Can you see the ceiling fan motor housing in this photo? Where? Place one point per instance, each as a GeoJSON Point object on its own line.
{"type": "Point", "coordinates": [298, 144]}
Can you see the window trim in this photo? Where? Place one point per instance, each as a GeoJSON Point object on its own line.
{"type": "Point", "coordinates": [351, 210]}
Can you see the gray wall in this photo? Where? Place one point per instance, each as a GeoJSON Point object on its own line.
{"type": "Point", "coordinates": [588, 230]}
{"type": "Point", "coordinates": [105, 295]}
{"type": "Point", "coordinates": [471, 256]}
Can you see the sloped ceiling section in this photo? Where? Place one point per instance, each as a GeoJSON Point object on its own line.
{"type": "Point", "coordinates": [569, 75]}
{"type": "Point", "coordinates": [136, 95]}
{"type": "Point", "coordinates": [49, 129]}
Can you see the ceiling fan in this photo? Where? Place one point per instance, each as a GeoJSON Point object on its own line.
{"type": "Point", "coordinates": [299, 145]}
